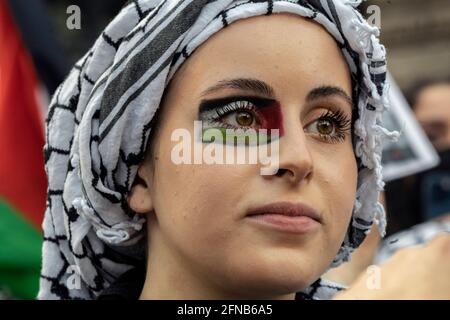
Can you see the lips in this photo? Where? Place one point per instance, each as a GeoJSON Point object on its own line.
{"type": "Point", "coordinates": [286, 216]}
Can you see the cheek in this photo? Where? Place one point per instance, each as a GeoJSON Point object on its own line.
{"type": "Point", "coordinates": [196, 203]}
{"type": "Point", "coordinates": [337, 180]}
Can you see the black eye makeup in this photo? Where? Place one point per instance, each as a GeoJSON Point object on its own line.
{"type": "Point", "coordinates": [242, 113]}
{"type": "Point", "coordinates": [255, 112]}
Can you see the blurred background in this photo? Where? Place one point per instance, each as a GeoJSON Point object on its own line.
{"type": "Point", "coordinates": [417, 36]}
{"type": "Point", "coordinates": [38, 49]}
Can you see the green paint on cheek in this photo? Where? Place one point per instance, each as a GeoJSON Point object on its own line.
{"type": "Point", "coordinates": [237, 137]}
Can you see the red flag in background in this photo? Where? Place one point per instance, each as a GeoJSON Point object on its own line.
{"type": "Point", "coordinates": [23, 182]}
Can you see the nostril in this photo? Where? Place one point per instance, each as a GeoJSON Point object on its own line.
{"type": "Point", "coordinates": [280, 172]}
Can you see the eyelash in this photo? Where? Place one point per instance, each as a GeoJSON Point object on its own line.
{"type": "Point", "coordinates": [232, 107]}
{"type": "Point", "coordinates": [342, 124]}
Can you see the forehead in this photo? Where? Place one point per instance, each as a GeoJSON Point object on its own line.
{"type": "Point", "coordinates": [286, 50]}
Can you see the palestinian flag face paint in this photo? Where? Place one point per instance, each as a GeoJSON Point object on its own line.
{"type": "Point", "coordinates": [241, 120]}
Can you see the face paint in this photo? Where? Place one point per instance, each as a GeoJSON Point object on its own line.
{"type": "Point", "coordinates": [241, 120]}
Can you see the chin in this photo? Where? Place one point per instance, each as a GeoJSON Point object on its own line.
{"type": "Point", "coordinates": [274, 275]}
{"type": "Point", "coordinates": [267, 286]}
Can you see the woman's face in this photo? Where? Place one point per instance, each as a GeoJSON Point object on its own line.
{"type": "Point", "coordinates": [199, 213]}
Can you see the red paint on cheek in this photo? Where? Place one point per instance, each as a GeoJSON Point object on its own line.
{"type": "Point", "coordinates": [272, 117]}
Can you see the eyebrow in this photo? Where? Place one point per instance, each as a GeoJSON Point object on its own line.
{"type": "Point", "coordinates": [255, 85]}
{"type": "Point", "coordinates": [327, 91]}
{"type": "Point", "coordinates": [260, 87]}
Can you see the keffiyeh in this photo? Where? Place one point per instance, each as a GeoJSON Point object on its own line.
{"type": "Point", "coordinates": [100, 119]}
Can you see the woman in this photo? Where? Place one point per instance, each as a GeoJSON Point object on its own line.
{"type": "Point", "coordinates": [313, 72]}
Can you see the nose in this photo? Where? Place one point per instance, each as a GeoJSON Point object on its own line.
{"type": "Point", "coordinates": [295, 160]}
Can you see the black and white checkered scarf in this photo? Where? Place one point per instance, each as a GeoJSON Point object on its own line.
{"type": "Point", "coordinates": [100, 118]}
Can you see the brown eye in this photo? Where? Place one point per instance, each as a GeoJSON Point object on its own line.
{"type": "Point", "coordinates": [330, 127]}
{"type": "Point", "coordinates": [325, 126]}
{"type": "Point", "coordinates": [244, 118]}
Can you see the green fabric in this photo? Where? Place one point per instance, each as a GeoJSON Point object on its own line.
{"type": "Point", "coordinates": [20, 254]}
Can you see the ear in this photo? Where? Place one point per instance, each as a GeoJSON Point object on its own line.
{"type": "Point", "coordinates": [140, 198]}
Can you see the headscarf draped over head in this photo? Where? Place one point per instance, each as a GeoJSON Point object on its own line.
{"type": "Point", "coordinates": [100, 119]}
